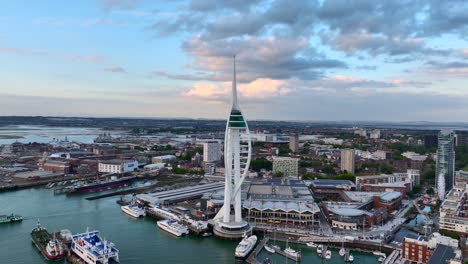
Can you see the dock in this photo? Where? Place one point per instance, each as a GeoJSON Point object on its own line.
{"type": "Point", "coordinates": [252, 259]}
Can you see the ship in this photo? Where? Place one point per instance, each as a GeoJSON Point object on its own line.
{"type": "Point", "coordinates": [50, 247]}
{"type": "Point", "coordinates": [93, 250]}
{"type": "Point", "coordinates": [172, 227]}
{"type": "Point", "coordinates": [10, 218]}
{"type": "Point", "coordinates": [245, 247]}
{"type": "Point", "coordinates": [133, 210]}
{"type": "Point", "coordinates": [101, 185]}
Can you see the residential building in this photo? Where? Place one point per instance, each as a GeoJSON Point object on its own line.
{"type": "Point", "coordinates": [375, 134]}
{"type": "Point", "coordinates": [163, 159]}
{"type": "Point", "coordinates": [431, 250]}
{"type": "Point", "coordinates": [212, 151]}
{"type": "Point", "coordinates": [430, 141]}
{"type": "Point", "coordinates": [415, 249]}
{"type": "Point", "coordinates": [462, 137]}
{"type": "Point", "coordinates": [347, 160]}
{"type": "Point", "coordinates": [331, 189]}
{"type": "Point", "coordinates": [286, 165]}
{"type": "Point", "coordinates": [117, 166]}
{"type": "Point", "coordinates": [294, 143]}
{"type": "Point", "coordinates": [361, 132]}
{"type": "Point", "coordinates": [445, 163]}
{"type": "Point", "coordinates": [411, 176]}
{"type": "Point", "coordinates": [454, 209]}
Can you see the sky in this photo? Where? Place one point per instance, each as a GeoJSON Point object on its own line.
{"type": "Point", "coordinates": [311, 60]}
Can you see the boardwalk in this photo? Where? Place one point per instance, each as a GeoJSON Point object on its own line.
{"type": "Point", "coordinates": [252, 259]}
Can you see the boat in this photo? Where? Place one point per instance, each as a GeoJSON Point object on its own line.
{"type": "Point", "coordinates": [207, 234]}
{"type": "Point", "coordinates": [10, 218]}
{"type": "Point", "coordinates": [163, 213]}
{"type": "Point", "coordinates": [269, 249]}
{"type": "Point", "coordinates": [292, 253]}
{"type": "Point", "coordinates": [328, 254]}
{"type": "Point", "coordinates": [172, 227]}
{"type": "Point", "coordinates": [342, 252]}
{"type": "Point", "coordinates": [378, 253]}
{"type": "Point", "coordinates": [245, 247]}
{"type": "Point", "coordinates": [98, 186]}
{"type": "Point", "coordinates": [319, 249]}
{"type": "Point", "coordinates": [311, 244]}
{"type": "Point", "coordinates": [49, 246]}
{"type": "Point", "coordinates": [350, 258]}
{"type": "Point", "coordinates": [381, 259]}
{"type": "Point", "coordinates": [93, 250]}
{"type": "Point", "coordinates": [133, 210]}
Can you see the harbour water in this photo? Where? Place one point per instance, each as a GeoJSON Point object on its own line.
{"type": "Point", "coordinates": [139, 240]}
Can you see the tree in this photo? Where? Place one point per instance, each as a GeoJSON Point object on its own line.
{"type": "Point", "coordinates": [430, 191]}
{"type": "Point", "coordinates": [261, 163]}
{"type": "Point", "coordinates": [279, 174]}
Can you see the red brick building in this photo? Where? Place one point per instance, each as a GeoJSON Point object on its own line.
{"type": "Point", "coordinates": [388, 200]}
{"type": "Point", "coordinates": [415, 249]}
{"type": "Point", "coordinates": [57, 166]}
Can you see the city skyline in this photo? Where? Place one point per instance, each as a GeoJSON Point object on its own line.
{"type": "Point", "coordinates": [307, 60]}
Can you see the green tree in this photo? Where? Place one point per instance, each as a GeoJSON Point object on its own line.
{"type": "Point", "coordinates": [261, 163]}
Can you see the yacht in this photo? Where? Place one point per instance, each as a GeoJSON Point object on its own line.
{"type": "Point", "coordinates": [133, 210]}
{"type": "Point", "coordinates": [269, 249]}
{"type": "Point", "coordinates": [350, 258]}
{"type": "Point", "coordinates": [328, 254]}
{"type": "Point", "coordinates": [311, 244]}
{"type": "Point", "coordinates": [292, 253]}
{"type": "Point", "coordinates": [172, 227]}
{"type": "Point", "coordinates": [246, 246]}
{"type": "Point", "coordinates": [93, 250]}
{"type": "Point", "coordinates": [342, 252]}
{"type": "Point", "coordinates": [319, 249]}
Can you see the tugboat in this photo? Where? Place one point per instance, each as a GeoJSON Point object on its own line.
{"type": "Point", "coordinates": [10, 218]}
{"type": "Point", "coordinates": [48, 245]}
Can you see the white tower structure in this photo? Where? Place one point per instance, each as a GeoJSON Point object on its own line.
{"type": "Point", "coordinates": [237, 155]}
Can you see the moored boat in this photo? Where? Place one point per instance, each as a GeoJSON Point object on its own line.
{"type": "Point", "coordinates": [133, 210]}
{"type": "Point", "coordinates": [93, 250]}
{"type": "Point", "coordinates": [269, 249]}
{"type": "Point", "coordinates": [328, 254]}
{"type": "Point", "coordinates": [350, 258]}
{"type": "Point", "coordinates": [48, 245]}
{"type": "Point", "coordinates": [319, 249]}
{"type": "Point", "coordinates": [245, 247]}
{"type": "Point", "coordinates": [311, 244]}
{"type": "Point", "coordinates": [172, 227]}
{"type": "Point", "coordinates": [342, 252]}
{"type": "Point", "coordinates": [98, 186]}
{"type": "Point", "coordinates": [292, 253]}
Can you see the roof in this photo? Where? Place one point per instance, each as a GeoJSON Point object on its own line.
{"type": "Point", "coordinates": [390, 196]}
{"type": "Point", "coordinates": [442, 254]}
{"type": "Point", "coordinates": [348, 211]}
{"type": "Point", "coordinates": [416, 236]}
{"type": "Point", "coordinates": [299, 207]}
{"type": "Point", "coordinates": [332, 183]}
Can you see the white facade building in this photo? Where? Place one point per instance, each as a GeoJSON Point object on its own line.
{"type": "Point", "coordinates": [211, 151]}
{"type": "Point", "coordinates": [117, 166]}
{"type": "Point", "coordinates": [286, 165]}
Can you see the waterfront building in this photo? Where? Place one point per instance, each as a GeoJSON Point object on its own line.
{"type": "Point", "coordinates": [212, 151]}
{"type": "Point", "coordinates": [412, 177]}
{"type": "Point", "coordinates": [433, 249]}
{"type": "Point", "coordinates": [331, 189]}
{"type": "Point", "coordinates": [445, 163]}
{"type": "Point", "coordinates": [237, 156]}
{"type": "Point", "coordinates": [415, 249]}
{"type": "Point", "coordinates": [347, 160]}
{"type": "Point", "coordinates": [289, 167]}
{"type": "Point", "coordinates": [163, 159]}
{"type": "Point", "coordinates": [294, 143]}
{"type": "Point", "coordinates": [117, 166]}
{"type": "Point", "coordinates": [281, 202]}
{"type": "Point", "coordinates": [353, 216]}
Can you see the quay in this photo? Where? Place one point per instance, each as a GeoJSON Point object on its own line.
{"type": "Point", "coordinates": [252, 259]}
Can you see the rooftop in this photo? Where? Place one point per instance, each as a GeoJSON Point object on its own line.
{"type": "Point", "coordinates": [442, 254]}
{"type": "Point", "coordinates": [333, 184]}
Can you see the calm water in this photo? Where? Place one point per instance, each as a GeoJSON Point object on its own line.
{"type": "Point", "coordinates": [45, 134]}
{"type": "Point", "coordinates": [139, 241]}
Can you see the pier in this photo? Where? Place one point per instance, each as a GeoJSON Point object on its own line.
{"type": "Point", "coordinates": [252, 259]}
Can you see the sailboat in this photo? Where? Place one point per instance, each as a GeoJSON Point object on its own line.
{"type": "Point", "coordinates": [342, 251]}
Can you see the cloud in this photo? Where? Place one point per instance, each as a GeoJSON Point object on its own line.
{"type": "Point", "coordinates": [115, 69]}
{"type": "Point", "coordinates": [23, 52]}
{"type": "Point", "coordinates": [120, 4]}
{"type": "Point", "coordinates": [84, 58]}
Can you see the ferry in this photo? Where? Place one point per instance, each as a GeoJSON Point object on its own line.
{"type": "Point", "coordinates": [172, 227]}
{"type": "Point", "coordinates": [245, 247]}
{"type": "Point", "coordinates": [48, 245]}
{"type": "Point", "coordinates": [10, 218]}
{"type": "Point", "coordinates": [163, 213]}
{"type": "Point", "coordinates": [133, 210]}
{"type": "Point", "coordinates": [93, 250]}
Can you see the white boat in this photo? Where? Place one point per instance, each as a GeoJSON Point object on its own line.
{"type": "Point", "coordinates": [246, 246]}
{"type": "Point", "coordinates": [292, 253]}
{"type": "Point", "coordinates": [319, 249]}
{"type": "Point", "coordinates": [350, 258]}
{"type": "Point", "coordinates": [172, 227]}
{"type": "Point", "coordinates": [342, 252]}
{"type": "Point", "coordinates": [133, 210]}
{"type": "Point", "coordinates": [93, 250]}
{"type": "Point", "coordinates": [163, 213]}
{"type": "Point", "coordinates": [378, 253]}
{"type": "Point", "coordinates": [381, 259]}
{"type": "Point", "coordinates": [311, 244]}
{"type": "Point", "coordinates": [328, 254]}
{"type": "Point", "coordinates": [269, 249]}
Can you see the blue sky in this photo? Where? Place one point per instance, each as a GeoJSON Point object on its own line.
{"type": "Point", "coordinates": [301, 60]}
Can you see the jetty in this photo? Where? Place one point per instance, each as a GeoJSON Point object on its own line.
{"type": "Point", "coordinates": [252, 259]}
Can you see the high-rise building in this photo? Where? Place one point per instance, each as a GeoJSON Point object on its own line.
{"type": "Point", "coordinates": [237, 155]}
{"type": "Point", "coordinates": [462, 138]}
{"type": "Point", "coordinates": [286, 165]}
{"type": "Point", "coordinates": [347, 160]}
{"type": "Point", "coordinates": [211, 151]}
{"type": "Point", "coordinates": [294, 143]}
{"type": "Point", "coordinates": [445, 163]}
{"type": "Point", "coordinates": [430, 141]}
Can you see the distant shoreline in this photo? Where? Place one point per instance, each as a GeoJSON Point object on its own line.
{"type": "Point", "coordinates": [10, 137]}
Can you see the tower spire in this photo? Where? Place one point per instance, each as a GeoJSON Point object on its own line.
{"type": "Point", "coordinates": [234, 87]}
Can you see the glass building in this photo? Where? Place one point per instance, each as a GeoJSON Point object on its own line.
{"type": "Point", "coordinates": [445, 164]}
